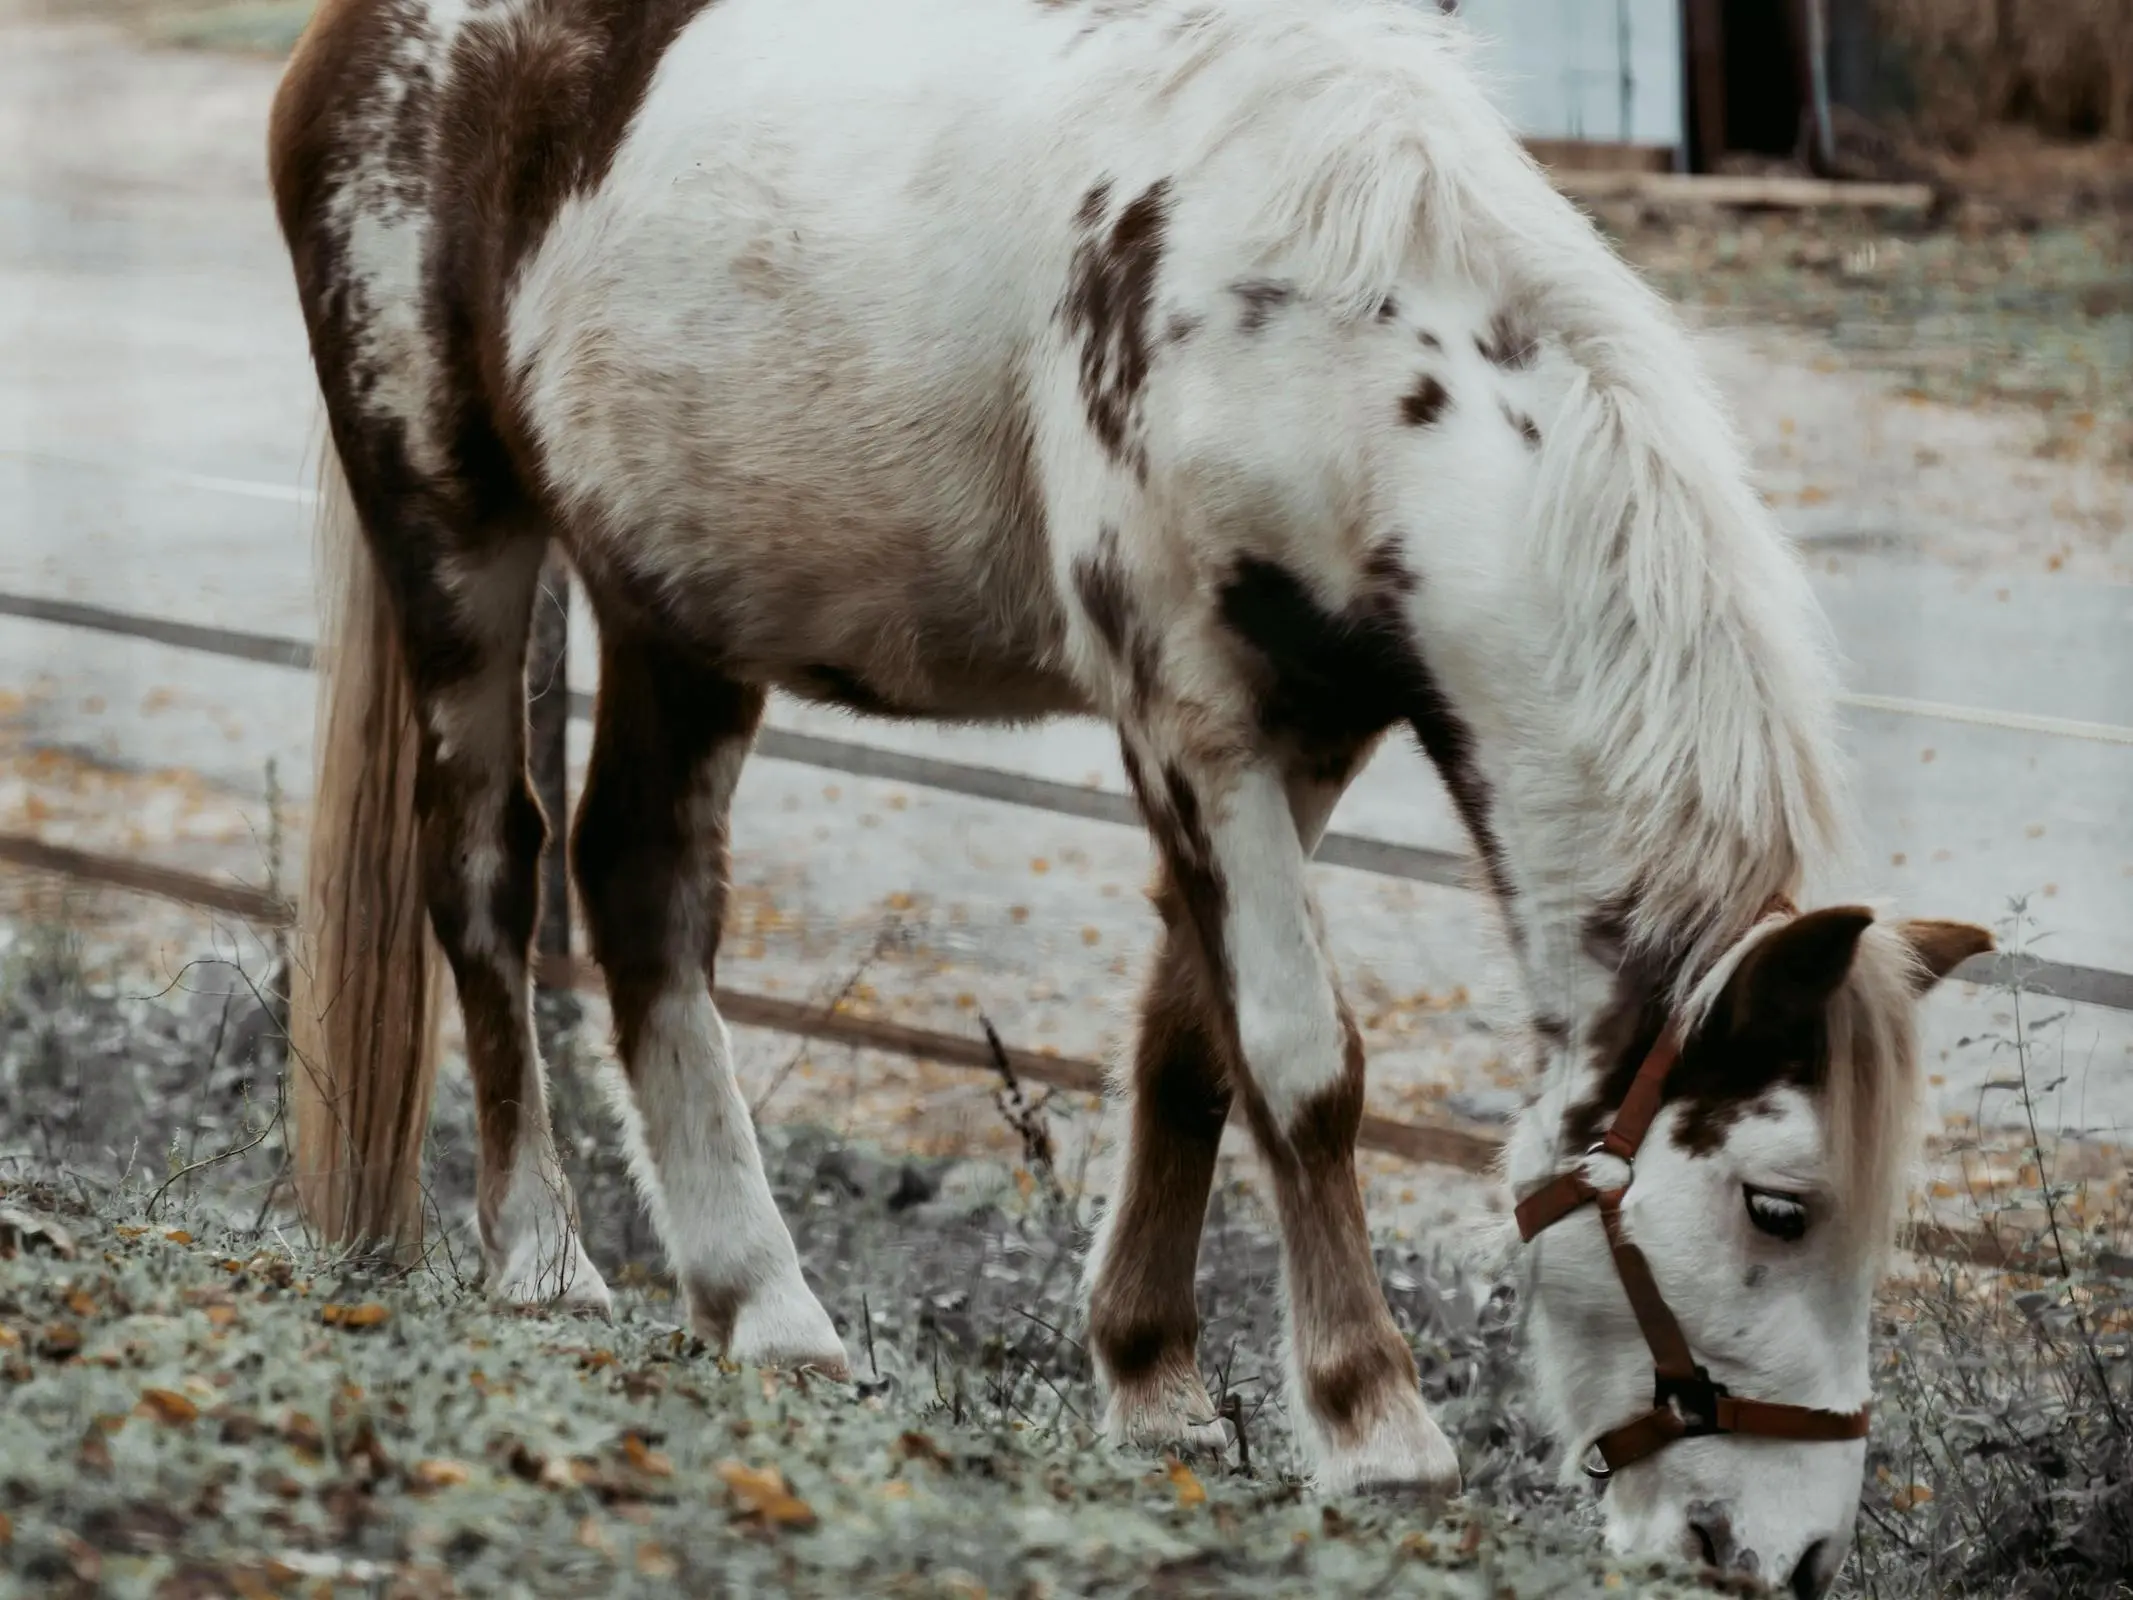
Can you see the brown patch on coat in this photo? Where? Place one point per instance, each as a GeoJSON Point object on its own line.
{"type": "Point", "coordinates": [1351, 1354]}
{"type": "Point", "coordinates": [1523, 425]}
{"type": "Point", "coordinates": [1262, 297]}
{"type": "Point", "coordinates": [1182, 326]}
{"type": "Point", "coordinates": [654, 886]}
{"type": "Point", "coordinates": [1743, 1050]}
{"type": "Point", "coordinates": [1425, 402]}
{"type": "Point", "coordinates": [458, 804]}
{"type": "Point", "coordinates": [1330, 679]}
{"type": "Point", "coordinates": [1110, 293]}
{"type": "Point", "coordinates": [1508, 342]}
{"type": "Point", "coordinates": [1177, 824]}
{"type": "Point", "coordinates": [1429, 341]}
{"type": "Point", "coordinates": [1100, 584]}
{"type": "Point", "coordinates": [1143, 1317]}
{"type": "Point", "coordinates": [1388, 309]}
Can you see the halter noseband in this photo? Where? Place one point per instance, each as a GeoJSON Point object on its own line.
{"type": "Point", "coordinates": [1686, 1402]}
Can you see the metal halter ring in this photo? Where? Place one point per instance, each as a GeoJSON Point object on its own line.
{"type": "Point", "coordinates": [1598, 1147]}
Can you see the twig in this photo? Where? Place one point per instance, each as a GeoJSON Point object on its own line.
{"type": "Point", "coordinates": [265, 1128]}
{"type": "Point", "coordinates": [882, 941]}
{"type": "Point", "coordinates": [1025, 1117]}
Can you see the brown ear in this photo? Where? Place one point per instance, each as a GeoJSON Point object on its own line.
{"type": "Point", "coordinates": [1791, 973]}
{"type": "Point", "coordinates": [1941, 947]}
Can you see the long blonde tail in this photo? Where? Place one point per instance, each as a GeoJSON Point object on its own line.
{"type": "Point", "coordinates": [367, 979]}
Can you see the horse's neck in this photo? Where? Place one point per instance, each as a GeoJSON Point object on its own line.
{"type": "Point", "coordinates": [1589, 996]}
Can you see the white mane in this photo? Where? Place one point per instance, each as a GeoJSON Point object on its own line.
{"type": "Point", "coordinates": [1693, 661]}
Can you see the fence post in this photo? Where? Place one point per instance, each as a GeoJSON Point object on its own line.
{"type": "Point", "coordinates": [548, 751]}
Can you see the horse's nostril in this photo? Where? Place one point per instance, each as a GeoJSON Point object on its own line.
{"type": "Point", "coordinates": [1712, 1528]}
{"type": "Point", "coordinates": [1706, 1548]}
{"type": "Point", "coordinates": [1808, 1578]}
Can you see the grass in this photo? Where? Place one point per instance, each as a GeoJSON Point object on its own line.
{"type": "Point", "coordinates": [379, 1450]}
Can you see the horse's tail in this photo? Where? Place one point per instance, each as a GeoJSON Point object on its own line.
{"type": "Point", "coordinates": [365, 989]}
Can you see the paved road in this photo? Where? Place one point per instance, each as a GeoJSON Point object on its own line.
{"type": "Point", "coordinates": [155, 418]}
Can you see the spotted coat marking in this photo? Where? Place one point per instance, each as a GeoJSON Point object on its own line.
{"type": "Point", "coordinates": [1110, 294]}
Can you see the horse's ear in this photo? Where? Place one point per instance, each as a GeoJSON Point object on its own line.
{"type": "Point", "coordinates": [1941, 947]}
{"type": "Point", "coordinates": [1792, 971]}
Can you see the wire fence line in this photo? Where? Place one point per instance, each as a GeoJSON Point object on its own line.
{"type": "Point", "coordinates": [1425, 1141]}
{"type": "Point", "coordinates": [2066, 981]}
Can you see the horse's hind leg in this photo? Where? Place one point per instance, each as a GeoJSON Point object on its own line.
{"type": "Point", "coordinates": [464, 618]}
{"type": "Point", "coordinates": [650, 854]}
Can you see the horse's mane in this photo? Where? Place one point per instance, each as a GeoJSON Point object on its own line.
{"type": "Point", "coordinates": [1692, 663]}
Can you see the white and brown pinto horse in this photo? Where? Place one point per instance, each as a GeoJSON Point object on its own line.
{"type": "Point", "coordinates": [1221, 368]}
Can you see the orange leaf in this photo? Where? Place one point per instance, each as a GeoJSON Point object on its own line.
{"type": "Point", "coordinates": [168, 1406]}
{"type": "Point", "coordinates": [761, 1491]}
{"type": "Point", "coordinates": [645, 1459]}
{"type": "Point", "coordinates": [1190, 1490]}
{"type": "Point", "coordinates": [367, 1315]}
{"type": "Point", "coordinates": [438, 1473]}
{"type": "Point", "coordinates": [654, 1562]}
{"type": "Point", "coordinates": [178, 1236]}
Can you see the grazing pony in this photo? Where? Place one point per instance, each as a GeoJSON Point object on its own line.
{"type": "Point", "coordinates": [1221, 368]}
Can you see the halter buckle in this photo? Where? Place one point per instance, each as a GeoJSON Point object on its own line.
{"type": "Point", "coordinates": [1692, 1399]}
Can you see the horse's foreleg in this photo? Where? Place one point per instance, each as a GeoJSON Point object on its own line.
{"type": "Point", "coordinates": [650, 854]}
{"type": "Point", "coordinates": [1143, 1317]}
{"type": "Point", "coordinates": [465, 630]}
{"type": "Point", "coordinates": [1229, 832]}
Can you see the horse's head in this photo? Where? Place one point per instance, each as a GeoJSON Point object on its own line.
{"type": "Point", "coordinates": [1705, 1247]}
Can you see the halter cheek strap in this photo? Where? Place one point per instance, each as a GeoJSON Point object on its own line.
{"type": "Point", "coordinates": [1686, 1403]}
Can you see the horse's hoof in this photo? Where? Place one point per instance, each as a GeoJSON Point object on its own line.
{"type": "Point", "coordinates": [1175, 1416]}
{"type": "Point", "coordinates": [1402, 1454]}
{"type": "Point", "coordinates": [788, 1329]}
{"type": "Point", "coordinates": [570, 1288]}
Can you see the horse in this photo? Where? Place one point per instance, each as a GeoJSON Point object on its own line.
{"type": "Point", "coordinates": [1224, 369]}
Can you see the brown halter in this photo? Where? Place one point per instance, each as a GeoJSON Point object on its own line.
{"type": "Point", "coordinates": [1686, 1403]}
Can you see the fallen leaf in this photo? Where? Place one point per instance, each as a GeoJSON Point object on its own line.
{"type": "Point", "coordinates": [60, 1340]}
{"type": "Point", "coordinates": [94, 1452]}
{"type": "Point", "coordinates": [1191, 1492]}
{"type": "Point", "coordinates": [761, 1492]}
{"type": "Point", "coordinates": [367, 1315]}
{"type": "Point", "coordinates": [302, 1434]}
{"type": "Point", "coordinates": [645, 1459]}
{"type": "Point", "coordinates": [439, 1473]}
{"type": "Point", "coordinates": [1911, 1495]}
{"type": "Point", "coordinates": [80, 1304]}
{"type": "Point", "coordinates": [168, 1407]}
{"type": "Point", "coordinates": [556, 1473]}
{"type": "Point", "coordinates": [916, 1446]}
{"type": "Point", "coordinates": [20, 1231]}
{"type": "Point", "coordinates": [654, 1562]}
{"type": "Point", "coordinates": [178, 1236]}
{"type": "Point", "coordinates": [591, 1536]}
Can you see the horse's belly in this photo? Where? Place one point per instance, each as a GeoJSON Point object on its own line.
{"type": "Point", "coordinates": [788, 393]}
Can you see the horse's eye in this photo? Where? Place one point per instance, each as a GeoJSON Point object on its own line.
{"type": "Point", "coordinates": [1782, 1216]}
